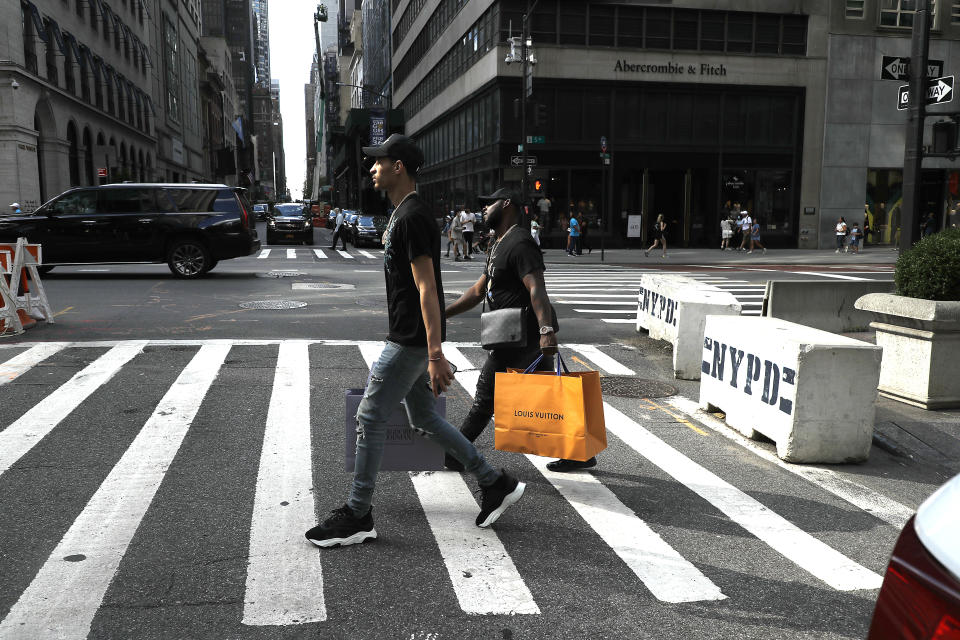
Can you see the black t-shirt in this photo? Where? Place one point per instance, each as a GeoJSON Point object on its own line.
{"type": "Point", "coordinates": [411, 233]}
{"type": "Point", "coordinates": [515, 257]}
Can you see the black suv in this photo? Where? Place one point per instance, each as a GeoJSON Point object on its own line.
{"type": "Point", "coordinates": [189, 226]}
{"type": "Point", "coordinates": [289, 221]}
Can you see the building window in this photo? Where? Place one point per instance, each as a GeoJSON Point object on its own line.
{"type": "Point", "coordinates": [68, 67]}
{"type": "Point", "coordinates": [955, 13]}
{"type": "Point", "coordinates": [53, 72]}
{"type": "Point", "coordinates": [29, 50]}
{"type": "Point", "coordinates": [899, 13]}
{"type": "Point", "coordinates": [171, 60]}
{"type": "Point", "coordinates": [854, 10]}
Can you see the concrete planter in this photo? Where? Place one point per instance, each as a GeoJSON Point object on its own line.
{"type": "Point", "coordinates": [921, 349]}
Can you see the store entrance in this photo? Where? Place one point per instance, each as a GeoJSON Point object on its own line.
{"type": "Point", "coordinates": [667, 196]}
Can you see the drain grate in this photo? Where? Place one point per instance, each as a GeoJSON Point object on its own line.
{"type": "Point", "coordinates": [280, 274]}
{"type": "Point", "coordinates": [629, 387]}
{"type": "Point", "coordinates": [272, 304]}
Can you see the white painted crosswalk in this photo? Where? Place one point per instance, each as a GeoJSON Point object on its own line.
{"type": "Point", "coordinates": [319, 254]}
{"type": "Point", "coordinates": [285, 577]}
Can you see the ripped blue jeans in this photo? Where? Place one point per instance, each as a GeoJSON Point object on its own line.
{"type": "Point", "coordinates": [401, 374]}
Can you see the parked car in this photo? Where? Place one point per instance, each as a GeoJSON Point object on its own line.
{"type": "Point", "coordinates": [920, 596]}
{"type": "Point", "coordinates": [191, 227]}
{"type": "Point", "coordinates": [290, 222]}
{"type": "Point", "coordinates": [368, 230]}
{"type": "Point", "coordinates": [261, 211]}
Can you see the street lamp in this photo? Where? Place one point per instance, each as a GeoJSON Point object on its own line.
{"type": "Point", "coordinates": [527, 60]}
{"type": "Point", "coordinates": [320, 15]}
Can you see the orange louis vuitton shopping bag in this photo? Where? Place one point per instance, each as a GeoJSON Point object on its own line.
{"type": "Point", "coordinates": [557, 414]}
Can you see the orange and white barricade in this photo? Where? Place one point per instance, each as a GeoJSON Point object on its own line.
{"type": "Point", "coordinates": [9, 317]}
{"type": "Point", "coordinates": [25, 286]}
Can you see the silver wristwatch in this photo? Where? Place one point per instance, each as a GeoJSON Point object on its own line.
{"type": "Point", "coordinates": [546, 330]}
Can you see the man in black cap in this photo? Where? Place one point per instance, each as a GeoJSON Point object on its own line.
{"type": "Point", "coordinates": [513, 277]}
{"type": "Point", "coordinates": [412, 366]}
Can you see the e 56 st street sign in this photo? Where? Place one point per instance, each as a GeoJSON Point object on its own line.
{"type": "Point", "coordinates": [898, 68]}
{"type": "Point", "coordinates": [939, 90]}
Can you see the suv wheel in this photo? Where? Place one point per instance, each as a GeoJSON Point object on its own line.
{"type": "Point", "coordinates": [188, 258]}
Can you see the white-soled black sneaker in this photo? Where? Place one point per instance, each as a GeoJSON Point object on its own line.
{"type": "Point", "coordinates": [498, 497]}
{"type": "Point", "coordinates": [342, 528]}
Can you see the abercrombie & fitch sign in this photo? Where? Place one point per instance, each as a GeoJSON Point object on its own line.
{"type": "Point", "coordinates": [672, 69]}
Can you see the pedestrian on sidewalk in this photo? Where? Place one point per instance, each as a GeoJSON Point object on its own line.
{"type": "Point", "coordinates": [456, 232]}
{"type": "Point", "coordinates": [534, 230]}
{"type": "Point", "coordinates": [15, 208]}
{"type": "Point", "coordinates": [755, 236]}
{"type": "Point", "coordinates": [467, 219]}
{"type": "Point", "coordinates": [574, 248]}
{"type": "Point", "coordinates": [659, 237]}
{"type": "Point", "coordinates": [447, 231]}
{"type": "Point", "coordinates": [584, 234]}
{"type": "Point", "coordinates": [737, 216]}
{"type": "Point", "coordinates": [412, 367]}
{"type": "Point", "coordinates": [726, 232]}
{"type": "Point", "coordinates": [841, 234]}
{"type": "Point", "coordinates": [746, 224]}
{"type": "Point", "coordinates": [339, 231]}
{"type": "Point", "coordinates": [513, 277]}
{"type": "Point", "coordinates": [854, 241]}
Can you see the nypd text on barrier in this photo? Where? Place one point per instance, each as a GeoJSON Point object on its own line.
{"type": "Point", "coordinates": [659, 306]}
{"type": "Point", "coordinates": [714, 365]}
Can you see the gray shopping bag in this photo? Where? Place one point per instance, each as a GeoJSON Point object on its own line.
{"type": "Point", "coordinates": [404, 449]}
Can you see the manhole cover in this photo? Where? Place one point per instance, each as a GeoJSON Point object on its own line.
{"type": "Point", "coordinates": [320, 285]}
{"type": "Point", "coordinates": [280, 274]}
{"type": "Point", "coordinates": [272, 304]}
{"type": "Point", "coordinates": [627, 387]}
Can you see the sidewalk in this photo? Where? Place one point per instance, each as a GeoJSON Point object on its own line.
{"type": "Point", "coordinates": [871, 256]}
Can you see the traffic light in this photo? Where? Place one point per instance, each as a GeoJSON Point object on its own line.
{"type": "Point", "coordinates": [944, 136]}
{"type": "Point", "coordinates": [540, 115]}
{"type": "Point", "coordinates": [537, 186]}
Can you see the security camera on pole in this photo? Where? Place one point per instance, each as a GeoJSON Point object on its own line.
{"type": "Point", "coordinates": [527, 60]}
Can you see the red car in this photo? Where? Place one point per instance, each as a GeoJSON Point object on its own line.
{"type": "Point", "coordinates": [920, 596]}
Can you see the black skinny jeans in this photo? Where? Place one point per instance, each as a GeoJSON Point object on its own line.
{"type": "Point", "coordinates": [497, 361]}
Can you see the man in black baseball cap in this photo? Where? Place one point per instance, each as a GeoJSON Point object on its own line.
{"type": "Point", "coordinates": [399, 147]}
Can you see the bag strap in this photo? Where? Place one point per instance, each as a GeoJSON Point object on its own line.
{"type": "Point", "coordinates": [533, 365]}
{"type": "Point", "coordinates": [560, 363]}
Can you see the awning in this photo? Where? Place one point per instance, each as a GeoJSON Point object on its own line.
{"type": "Point", "coordinates": [37, 20]}
{"type": "Point", "coordinates": [57, 36]}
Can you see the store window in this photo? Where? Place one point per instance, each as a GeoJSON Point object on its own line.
{"type": "Point", "coordinates": [882, 207]}
{"type": "Point", "coordinates": [854, 10]}
{"type": "Point", "coordinates": [766, 194]}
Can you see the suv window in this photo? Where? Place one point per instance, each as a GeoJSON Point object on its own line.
{"type": "Point", "coordinates": [76, 203]}
{"type": "Point", "coordinates": [288, 209]}
{"type": "Point", "coordinates": [226, 202]}
{"type": "Point", "coordinates": [193, 200]}
{"type": "Point", "coordinates": [126, 200]}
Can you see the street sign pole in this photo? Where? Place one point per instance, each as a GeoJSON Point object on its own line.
{"type": "Point", "coordinates": [913, 149]}
{"type": "Point", "coordinates": [524, 79]}
{"type": "Point", "coordinates": [605, 191]}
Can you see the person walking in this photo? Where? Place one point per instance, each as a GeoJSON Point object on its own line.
{"type": "Point", "coordinates": [584, 234]}
{"type": "Point", "coordinates": [746, 224]}
{"type": "Point", "coordinates": [544, 207]}
{"type": "Point", "coordinates": [447, 232]}
{"type": "Point", "coordinates": [456, 233]}
{"type": "Point", "coordinates": [15, 208]}
{"type": "Point", "coordinates": [467, 219]}
{"type": "Point", "coordinates": [573, 248]}
{"type": "Point", "coordinates": [928, 226]}
{"type": "Point", "coordinates": [513, 277]}
{"type": "Point", "coordinates": [534, 231]}
{"type": "Point", "coordinates": [659, 237]}
{"type": "Point", "coordinates": [755, 236]}
{"type": "Point", "coordinates": [841, 234]}
{"type": "Point", "coordinates": [412, 367]}
{"type": "Point", "coordinates": [339, 231]}
{"type": "Point", "coordinates": [854, 242]}
{"type": "Point", "coordinates": [726, 232]}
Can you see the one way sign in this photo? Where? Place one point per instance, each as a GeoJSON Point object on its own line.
{"type": "Point", "coordinates": [939, 90]}
{"type": "Point", "coordinates": [898, 68]}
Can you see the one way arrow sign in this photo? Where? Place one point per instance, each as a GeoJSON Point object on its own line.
{"type": "Point", "coordinates": [939, 90]}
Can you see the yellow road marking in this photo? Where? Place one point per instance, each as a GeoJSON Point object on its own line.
{"type": "Point", "coordinates": [654, 405]}
{"type": "Point", "coordinates": [579, 361]}
{"type": "Point", "coordinates": [60, 313]}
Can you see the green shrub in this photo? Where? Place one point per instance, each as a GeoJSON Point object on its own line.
{"type": "Point", "coordinates": [930, 270]}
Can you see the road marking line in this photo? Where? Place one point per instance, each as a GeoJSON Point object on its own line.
{"type": "Point", "coordinates": [884, 508]}
{"type": "Point", "coordinates": [64, 311]}
{"type": "Point", "coordinates": [291, 254]}
{"type": "Point", "coordinates": [602, 360]}
{"type": "Point", "coordinates": [21, 436]}
{"type": "Point", "coordinates": [667, 574]}
{"type": "Point", "coordinates": [829, 275]}
{"type": "Point", "coordinates": [494, 585]}
{"type": "Point", "coordinates": [619, 320]}
{"type": "Point", "coordinates": [653, 405]}
{"type": "Point", "coordinates": [284, 581]}
{"type": "Point", "coordinates": [608, 303]}
{"type": "Point", "coordinates": [63, 598]}
{"type": "Point", "coordinates": [798, 546]}
{"type": "Point", "coordinates": [319, 253]}
{"type": "Point", "coordinates": [602, 295]}
{"type": "Point", "coordinates": [23, 362]}
{"type": "Point", "coordinates": [456, 357]}
{"type": "Point", "coordinates": [366, 254]}
{"type": "Point", "coordinates": [264, 253]}
{"type": "Point", "coordinates": [633, 310]}
{"type": "Point", "coordinates": [345, 254]}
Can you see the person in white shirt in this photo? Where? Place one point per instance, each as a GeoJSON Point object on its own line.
{"type": "Point", "coordinates": [726, 232]}
{"type": "Point", "coordinates": [338, 230]}
{"type": "Point", "coordinates": [467, 218]}
{"type": "Point", "coordinates": [841, 234]}
{"type": "Point", "coordinates": [745, 223]}
{"type": "Point", "coordinates": [535, 229]}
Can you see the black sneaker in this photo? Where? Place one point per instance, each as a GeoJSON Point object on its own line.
{"type": "Point", "coordinates": [342, 528]}
{"type": "Point", "coordinates": [496, 498]}
{"type": "Point", "coordinates": [452, 463]}
{"type": "Point", "coordinates": [571, 465]}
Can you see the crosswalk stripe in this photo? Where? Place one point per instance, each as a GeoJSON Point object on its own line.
{"type": "Point", "coordinates": [668, 576]}
{"type": "Point", "coordinates": [619, 320]}
{"type": "Point", "coordinates": [605, 303]}
{"type": "Point", "coordinates": [602, 360]}
{"type": "Point", "coordinates": [798, 546]}
{"type": "Point", "coordinates": [63, 598]}
{"type": "Point", "coordinates": [632, 297]}
{"type": "Point", "coordinates": [291, 254]}
{"type": "Point", "coordinates": [494, 585]}
{"type": "Point", "coordinates": [284, 582]}
{"type": "Point", "coordinates": [345, 254]}
{"type": "Point", "coordinates": [632, 310]}
{"type": "Point", "coordinates": [365, 254]}
{"type": "Point", "coordinates": [832, 275]}
{"type": "Point", "coordinates": [20, 364]}
{"type": "Point", "coordinates": [319, 253]}
{"type": "Point", "coordinates": [21, 436]}
{"type": "Point", "coordinates": [264, 253]}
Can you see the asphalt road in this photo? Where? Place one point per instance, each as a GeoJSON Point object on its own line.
{"type": "Point", "coordinates": [162, 449]}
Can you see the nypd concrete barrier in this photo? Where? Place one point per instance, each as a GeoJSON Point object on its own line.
{"type": "Point", "coordinates": [674, 308]}
{"type": "Point", "coordinates": [827, 305]}
{"type": "Point", "coordinates": [813, 393]}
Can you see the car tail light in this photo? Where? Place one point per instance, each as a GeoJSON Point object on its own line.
{"type": "Point", "coordinates": [244, 214]}
{"type": "Point", "coordinates": [919, 598]}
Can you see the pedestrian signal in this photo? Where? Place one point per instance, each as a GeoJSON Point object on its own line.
{"type": "Point", "coordinates": [537, 185]}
